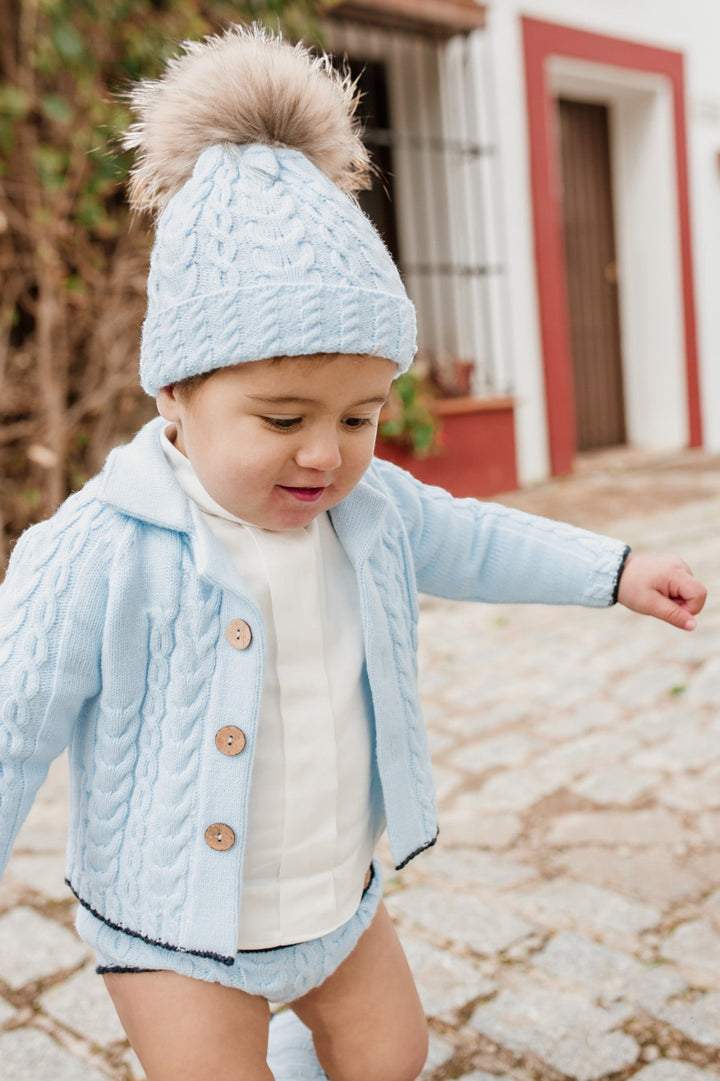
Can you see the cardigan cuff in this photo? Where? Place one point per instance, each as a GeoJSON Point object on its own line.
{"type": "Point", "coordinates": [618, 576]}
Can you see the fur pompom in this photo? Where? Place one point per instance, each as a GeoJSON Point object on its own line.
{"type": "Point", "coordinates": [244, 86]}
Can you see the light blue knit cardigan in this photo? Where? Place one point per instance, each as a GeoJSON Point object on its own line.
{"type": "Point", "coordinates": [112, 641]}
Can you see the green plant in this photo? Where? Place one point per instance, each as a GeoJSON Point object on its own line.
{"type": "Point", "coordinates": [408, 419]}
{"type": "Point", "coordinates": [72, 265]}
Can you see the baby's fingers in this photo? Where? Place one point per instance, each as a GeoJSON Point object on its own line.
{"type": "Point", "coordinates": [689, 592]}
{"type": "Point", "coordinates": [675, 612]}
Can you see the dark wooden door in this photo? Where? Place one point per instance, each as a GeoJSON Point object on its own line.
{"type": "Point", "coordinates": [592, 274]}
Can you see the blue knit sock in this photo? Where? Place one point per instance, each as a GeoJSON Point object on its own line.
{"type": "Point", "coordinates": [291, 1054]}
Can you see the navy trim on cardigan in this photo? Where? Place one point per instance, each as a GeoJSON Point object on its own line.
{"type": "Point", "coordinates": [618, 576]}
{"type": "Point", "coordinates": [423, 848]}
{"type": "Point", "coordinates": [195, 953]}
{"type": "Point", "coordinates": [143, 938]}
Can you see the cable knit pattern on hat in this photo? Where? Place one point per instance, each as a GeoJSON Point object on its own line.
{"type": "Point", "coordinates": [251, 151]}
{"type": "Point", "coordinates": [259, 255]}
{"type": "Point", "coordinates": [112, 641]}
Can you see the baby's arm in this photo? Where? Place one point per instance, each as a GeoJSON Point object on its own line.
{"type": "Point", "coordinates": [469, 550]}
{"type": "Point", "coordinates": [662, 586]}
{"type": "Point", "coordinates": [464, 549]}
{"type": "Point", "coordinates": [51, 623]}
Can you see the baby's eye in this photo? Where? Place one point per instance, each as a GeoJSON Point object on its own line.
{"type": "Point", "coordinates": [357, 422]}
{"type": "Point", "coordinates": [282, 424]}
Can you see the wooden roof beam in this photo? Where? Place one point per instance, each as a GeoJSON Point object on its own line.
{"type": "Point", "coordinates": [440, 18]}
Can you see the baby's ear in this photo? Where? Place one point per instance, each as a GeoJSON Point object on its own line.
{"type": "Point", "coordinates": [167, 402]}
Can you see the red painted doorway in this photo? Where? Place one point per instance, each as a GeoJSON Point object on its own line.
{"type": "Point", "coordinates": [542, 41]}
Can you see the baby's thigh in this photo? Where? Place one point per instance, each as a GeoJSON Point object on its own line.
{"type": "Point", "coordinates": [183, 1029]}
{"type": "Point", "coordinates": [366, 1019]}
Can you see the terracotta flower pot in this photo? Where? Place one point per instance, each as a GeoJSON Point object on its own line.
{"type": "Point", "coordinates": [476, 452]}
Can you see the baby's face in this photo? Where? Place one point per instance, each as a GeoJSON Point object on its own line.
{"type": "Point", "coordinates": [278, 442]}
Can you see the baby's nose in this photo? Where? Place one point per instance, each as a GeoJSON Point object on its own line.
{"type": "Point", "coordinates": [320, 452]}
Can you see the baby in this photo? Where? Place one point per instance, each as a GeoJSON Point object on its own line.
{"type": "Point", "coordinates": [221, 626]}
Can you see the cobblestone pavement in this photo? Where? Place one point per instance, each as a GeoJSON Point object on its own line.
{"type": "Point", "coordinates": [567, 924]}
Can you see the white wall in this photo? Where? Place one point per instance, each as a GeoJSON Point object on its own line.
{"type": "Point", "coordinates": [511, 126]}
{"type": "Point", "coordinates": [693, 28]}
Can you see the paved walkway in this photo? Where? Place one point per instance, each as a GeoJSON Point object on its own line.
{"type": "Point", "coordinates": [567, 924]}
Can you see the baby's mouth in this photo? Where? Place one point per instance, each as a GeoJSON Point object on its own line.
{"type": "Point", "coordinates": [305, 495]}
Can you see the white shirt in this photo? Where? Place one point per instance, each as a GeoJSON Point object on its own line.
{"type": "Point", "coordinates": [310, 837]}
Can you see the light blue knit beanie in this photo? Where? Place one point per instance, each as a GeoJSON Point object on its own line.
{"type": "Point", "coordinates": [250, 150]}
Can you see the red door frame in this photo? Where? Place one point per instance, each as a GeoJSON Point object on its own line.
{"type": "Point", "coordinates": [541, 41]}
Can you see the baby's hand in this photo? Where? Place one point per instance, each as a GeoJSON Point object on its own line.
{"type": "Point", "coordinates": [662, 586]}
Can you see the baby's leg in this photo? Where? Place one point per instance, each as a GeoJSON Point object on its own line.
{"type": "Point", "coordinates": [183, 1029]}
{"type": "Point", "coordinates": [366, 1019]}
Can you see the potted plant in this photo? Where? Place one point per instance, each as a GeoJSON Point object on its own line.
{"type": "Point", "coordinates": [436, 429]}
{"type": "Point", "coordinates": [408, 420]}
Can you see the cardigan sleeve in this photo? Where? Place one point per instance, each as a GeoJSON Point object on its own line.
{"type": "Point", "coordinates": [466, 549]}
{"type": "Point", "coordinates": [51, 624]}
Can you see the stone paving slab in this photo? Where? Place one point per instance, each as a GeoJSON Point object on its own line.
{"type": "Point", "coordinates": [464, 825]}
{"type": "Point", "coordinates": [634, 828]}
{"type": "Point", "coordinates": [516, 790]}
{"type": "Point", "coordinates": [565, 1030]}
{"type": "Point", "coordinates": [462, 918]}
{"type": "Point", "coordinates": [30, 1054]}
{"type": "Point", "coordinates": [667, 1070]}
{"type": "Point", "coordinates": [445, 982]}
{"type": "Point", "coordinates": [43, 873]}
{"type": "Point", "coordinates": [33, 947]}
{"type": "Point", "coordinates": [608, 975]}
{"type": "Point", "coordinates": [562, 903]}
{"type": "Point", "coordinates": [711, 906]}
{"type": "Point", "coordinates": [481, 1075]}
{"type": "Point", "coordinates": [653, 875]}
{"type": "Point", "coordinates": [7, 1012]}
{"type": "Point", "coordinates": [695, 948]}
{"type": "Point", "coordinates": [468, 865]}
{"type": "Point", "coordinates": [82, 1004]}
{"type": "Point", "coordinates": [709, 827]}
{"type": "Point", "coordinates": [438, 1054]}
{"type": "Point", "coordinates": [698, 1020]}
{"type": "Point", "coordinates": [687, 792]}
{"type": "Point", "coordinates": [617, 784]}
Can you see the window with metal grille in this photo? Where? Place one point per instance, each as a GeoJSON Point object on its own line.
{"type": "Point", "coordinates": [427, 114]}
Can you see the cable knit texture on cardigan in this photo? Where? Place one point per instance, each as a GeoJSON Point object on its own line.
{"type": "Point", "coordinates": [112, 642]}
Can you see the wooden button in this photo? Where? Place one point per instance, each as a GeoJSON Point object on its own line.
{"type": "Point", "coordinates": [238, 634]}
{"type": "Point", "coordinates": [220, 837]}
{"type": "Point", "coordinates": [230, 740]}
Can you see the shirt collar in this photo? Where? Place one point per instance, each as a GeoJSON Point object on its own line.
{"type": "Point", "coordinates": [139, 481]}
{"type": "Point", "coordinates": [189, 481]}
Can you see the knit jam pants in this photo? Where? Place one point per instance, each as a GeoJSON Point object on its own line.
{"type": "Point", "coordinates": [282, 974]}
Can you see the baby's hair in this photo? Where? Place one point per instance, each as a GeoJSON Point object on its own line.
{"type": "Point", "coordinates": [185, 388]}
{"type": "Point", "coordinates": [246, 86]}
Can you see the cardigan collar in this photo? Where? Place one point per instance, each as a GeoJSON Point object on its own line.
{"type": "Point", "coordinates": [138, 480]}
